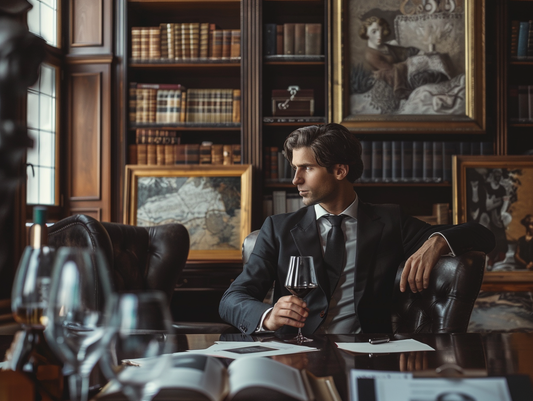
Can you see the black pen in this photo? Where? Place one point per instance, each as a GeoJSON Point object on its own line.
{"type": "Point", "coordinates": [379, 340]}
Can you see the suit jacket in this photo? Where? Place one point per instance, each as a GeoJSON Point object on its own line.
{"type": "Point", "coordinates": [385, 238]}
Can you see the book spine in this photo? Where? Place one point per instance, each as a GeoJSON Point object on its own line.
{"type": "Point", "coordinates": [226, 44]}
{"type": "Point", "coordinates": [169, 154]}
{"type": "Point", "coordinates": [387, 161]}
{"type": "Point", "coordinates": [377, 161]}
{"type": "Point", "coordinates": [448, 150]}
{"type": "Point", "coordinates": [487, 148]}
{"type": "Point", "coordinates": [178, 49]}
{"type": "Point", "coordinates": [204, 40]}
{"type": "Point", "coordinates": [183, 112]}
{"type": "Point", "coordinates": [269, 39]}
{"type": "Point", "coordinates": [154, 43]}
{"type": "Point", "coordinates": [194, 37]}
{"type": "Point", "coordinates": [288, 39]}
{"type": "Point", "coordinates": [236, 152]}
{"type": "Point", "coordinates": [515, 27]}
{"type": "Point", "coordinates": [530, 39]}
{"type": "Point", "coordinates": [211, 35]}
{"type": "Point", "coordinates": [185, 41]}
{"type": "Point", "coordinates": [164, 40]}
{"type": "Point", "coordinates": [132, 154]}
{"type": "Point", "coordinates": [217, 45]}
{"type": "Point", "coordinates": [205, 153]}
{"type": "Point", "coordinates": [427, 161]}
{"type": "Point", "coordinates": [217, 154]}
{"type": "Point", "coordinates": [136, 42]}
{"type": "Point", "coordinates": [227, 155]}
{"type": "Point", "coordinates": [465, 148]}
{"type": "Point", "coordinates": [279, 39]}
{"type": "Point", "coordinates": [132, 94]}
{"type": "Point", "coordinates": [170, 41]}
{"type": "Point", "coordinates": [313, 39]}
{"type": "Point", "coordinates": [418, 163]}
{"type": "Point", "coordinates": [299, 39]}
{"type": "Point", "coordinates": [407, 161]}
{"type": "Point", "coordinates": [235, 48]}
{"type": "Point", "coordinates": [160, 151]}
{"type": "Point", "coordinates": [437, 161]}
{"type": "Point", "coordinates": [179, 153]}
{"type": "Point", "coordinates": [192, 153]}
{"type": "Point", "coordinates": [145, 43]}
{"type": "Point", "coordinates": [523, 35]}
{"type": "Point", "coordinates": [366, 156]}
{"type": "Point", "coordinates": [396, 161]}
{"type": "Point", "coordinates": [236, 108]}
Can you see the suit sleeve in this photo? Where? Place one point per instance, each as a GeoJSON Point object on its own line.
{"type": "Point", "coordinates": [242, 304]}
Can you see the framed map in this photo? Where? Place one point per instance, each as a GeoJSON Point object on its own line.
{"type": "Point", "coordinates": [212, 202]}
{"type": "Point", "coordinates": [497, 192]}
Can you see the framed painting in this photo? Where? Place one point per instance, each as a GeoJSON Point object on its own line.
{"type": "Point", "coordinates": [413, 66]}
{"type": "Point", "coordinates": [212, 202]}
{"type": "Point", "coordinates": [497, 192]}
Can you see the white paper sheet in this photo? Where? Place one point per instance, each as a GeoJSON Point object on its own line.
{"type": "Point", "coordinates": [238, 350]}
{"type": "Point", "coordinates": [408, 345]}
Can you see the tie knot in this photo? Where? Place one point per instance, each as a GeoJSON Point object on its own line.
{"type": "Point", "coordinates": [335, 221]}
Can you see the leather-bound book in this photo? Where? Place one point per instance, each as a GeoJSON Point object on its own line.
{"type": "Point", "coordinates": [269, 39]}
{"type": "Point", "coordinates": [145, 43]}
{"type": "Point", "coordinates": [204, 40]}
{"type": "Point", "coordinates": [170, 40]}
{"type": "Point", "coordinates": [279, 39]}
{"type": "Point", "coordinates": [192, 153]}
{"type": "Point", "coordinates": [288, 39]}
{"type": "Point", "coordinates": [178, 51]}
{"type": "Point", "coordinates": [183, 111]}
{"type": "Point", "coordinates": [132, 154]}
{"type": "Point", "coordinates": [136, 42]}
{"type": "Point", "coordinates": [142, 153]}
{"type": "Point", "coordinates": [132, 101]}
{"type": "Point", "coordinates": [217, 156]}
{"type": "Point", "coordinates": [185, 41]}
{"type": "Point", "coordinates": [160, 154]}
{"type": "Point", "coordinates": [169, 154]}
{"type": "Point", "coordinates": [236, 106]}
{"type": "Point", "coordinates": [227, 155]}
{"type": "Point", "coordinates": [235, 48]}
{"type": "Point", "coordinates": [154, 45]}
{"type": "Point", "coordinates": [205, 153]}
{"type": "Point", "coordinates": [164, 40]}
{"type": "Point", "coordinates": [236, 152]}
{"type": "Point", "coordinates": [226, 44]}
{"type": "Point", "coordinates": [313, 39]}
{"type": "Point", "coordinates": [299, 39]}
{"type": "Point", "coordinates": [179, 153]}
{"type": "Point", "coordinates": [217, 44]}
{"type": "Point", "coordinates": [211, 40]}
{"type": "Point", "coordinates": [194, 37]}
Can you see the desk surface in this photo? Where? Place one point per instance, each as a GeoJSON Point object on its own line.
{"type": "Point", "coordinates": [499, 353]}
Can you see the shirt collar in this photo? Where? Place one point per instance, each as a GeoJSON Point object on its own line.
{"type": "Point", "coordinates": [351, 210]}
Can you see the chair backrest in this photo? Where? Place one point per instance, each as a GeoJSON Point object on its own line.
{"type": "Point", "coordinates": [139, 258]}
{"type": "Point", "coordinates": [444, 307]}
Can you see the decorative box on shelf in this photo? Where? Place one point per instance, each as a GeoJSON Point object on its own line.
{"type": "Point", "coordinates": [293, 102]}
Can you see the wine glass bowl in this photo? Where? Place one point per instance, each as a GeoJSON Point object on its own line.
{"type": "Point", "coordinates": [300, 281]}
{"type": "Point", "coordinates": [139, 336]}
{"type": "Point", "coordinates": [78, 313]}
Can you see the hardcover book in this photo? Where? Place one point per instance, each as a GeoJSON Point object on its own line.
{"type": "Point", "coordinates": [226, 44]}
{"type": "Point", "coordinates": [313, 39]}
{"type": "Point", "coordinates": [136, 42]}
{"type": "Point", "coordinates": [194, 37]}
{"type": "Point", "coordinates": [235, 48]}
{"type": "Point", "coordinates": [288, 39]}
{"type": "Point", "coordinates": [204, 40]}
{"type": "Point", "coordinates": [299, 39]}
{"type": "Point", "coordinates": [269, 39]}
{"type": "Point", "coordinates": [279, 39]}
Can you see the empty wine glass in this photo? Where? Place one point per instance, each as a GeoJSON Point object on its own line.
{"type": "Point", "coordinates": [29, 300]}
{"type": "Point", "coordinates": [300, 281]}
{"type": "Point", "coordinates": [78, 313]}
{"type": "Point", "coordinates": [139, 349]}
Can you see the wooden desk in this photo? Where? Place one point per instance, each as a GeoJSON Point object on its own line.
{"type": "Point", "coordinates": [500, 354]}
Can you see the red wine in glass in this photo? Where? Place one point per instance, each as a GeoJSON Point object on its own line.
{"type": "Point", "coordinates": [300, 281]}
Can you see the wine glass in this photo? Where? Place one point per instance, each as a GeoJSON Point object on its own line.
{"type": "Point", "coordinates": [29, 300]}
{"type": "Point", "coordinates": [79, 309]}
{"type": "Point", "coordinates": [300, 281]}
{"type": "Point", "coordinates": [139, 349]}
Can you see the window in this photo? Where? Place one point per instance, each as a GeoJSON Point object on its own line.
{"type": "Point", "coordinates": [42, 106]}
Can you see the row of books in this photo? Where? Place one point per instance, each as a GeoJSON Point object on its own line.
{"type": "Point", "coordinates": [173, 104]}
{"type": "Point", "coordinates": [391, 161]}
{"type": "Point", "coordinates": [292, 39]}
{"type": "Point", "coordinates": [185, 41]}
{"type": "Point", "coordinates": [520, 103]}
{"type": "Point", "coordinates": [521, 39]}
{"type": "Point", "coordinates": [170, 154]}
{"type": "Point", "coordinates": [281, 202]}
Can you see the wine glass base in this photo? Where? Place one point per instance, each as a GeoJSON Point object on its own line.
{"type": "Point", "coordinates": [299, 339]}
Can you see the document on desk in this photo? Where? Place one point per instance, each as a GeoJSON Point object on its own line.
{"type": "Point", "coordinates": [408, 345]}
{"type": "Point", "coordinates": [368, 385]}
{"type": "Point", "coordinates": [239, 350]}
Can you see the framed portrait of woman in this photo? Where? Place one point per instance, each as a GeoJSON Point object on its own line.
{"type": "Point", "coordinates": [409, 66]}
{"type": "Point", "coordinates": [497, 192]}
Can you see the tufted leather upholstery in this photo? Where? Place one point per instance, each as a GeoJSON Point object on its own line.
{"type": "Point", "coordinates": [444, 307]}
{"type": "Point", "coordinates": [139, 258]}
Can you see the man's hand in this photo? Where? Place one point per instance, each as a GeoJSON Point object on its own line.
{"type": "Point", "coordinates": [419, 265]}
{"type": "Point", "coordinates": [288, 311]}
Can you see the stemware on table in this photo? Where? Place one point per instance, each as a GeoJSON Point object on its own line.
{"type": "Point", "coordinates": [78, 314]}
{"type": "Point", "coordinates": [139, 349]}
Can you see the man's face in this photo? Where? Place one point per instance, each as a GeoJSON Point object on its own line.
{"type": "Point", "coordinates": [314, 183]}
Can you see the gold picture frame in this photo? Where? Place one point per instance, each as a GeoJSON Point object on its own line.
{"type": "Point", "coordinates": [440, 89]}
{"type": "Point", "coordinates": [497, 191]}
{"type": "Point", "coordinates": [212, 202]}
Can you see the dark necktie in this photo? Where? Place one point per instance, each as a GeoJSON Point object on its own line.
{"type": "Point", "coordinates": [335, 250]}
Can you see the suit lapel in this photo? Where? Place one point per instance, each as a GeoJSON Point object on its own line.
{"type": "Point", "coordinates": [369, 230]}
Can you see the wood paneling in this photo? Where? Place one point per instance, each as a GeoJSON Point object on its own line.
{"type": "Point", "coordinates": [90, 27]}
{"type": "Point", "coordinates": [89, 140]}
{"type": "Point", "coordinates": [85, 136]}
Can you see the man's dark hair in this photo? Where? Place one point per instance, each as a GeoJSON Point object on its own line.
{"type": "Point", "coordinates": [331, 144]}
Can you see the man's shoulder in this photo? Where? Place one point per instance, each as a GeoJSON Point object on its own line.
{"type": "Point", "coordinates": [379, 209]}
{"type": "Point", "coordinates": [284, 218]}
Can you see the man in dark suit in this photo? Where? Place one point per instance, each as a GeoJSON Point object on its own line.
{"type": "Point", "coordinates": [377, 238]}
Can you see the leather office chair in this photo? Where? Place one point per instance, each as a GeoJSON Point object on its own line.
{"type": "Point", "coordinates": [444, 307]}
{"type": "Point", "coordinates": [139, 258]}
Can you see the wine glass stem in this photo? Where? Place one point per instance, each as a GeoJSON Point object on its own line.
{"type": "Point", "coordinates": [79, 387]}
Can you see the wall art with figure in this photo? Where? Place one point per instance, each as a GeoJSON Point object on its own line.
{"type": "Point", "coordinates": [497, 192]}
{"type": "Point", "coordinates": [408, 60]}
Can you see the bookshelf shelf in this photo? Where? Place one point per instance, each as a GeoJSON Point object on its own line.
{"type": "Point", "coordinates": [374, 184]}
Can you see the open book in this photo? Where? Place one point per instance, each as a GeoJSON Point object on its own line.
{"type": "Point", "coordinates": [202, 377]}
